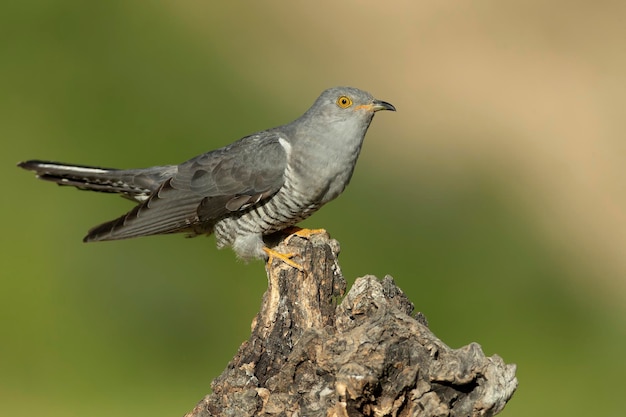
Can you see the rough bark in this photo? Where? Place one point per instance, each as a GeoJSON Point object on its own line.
{"type": "Point", "coordinates": [370, 355]}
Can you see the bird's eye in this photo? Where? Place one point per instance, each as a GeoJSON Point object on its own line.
{"type": "Point", "coordinates": [344, 102]}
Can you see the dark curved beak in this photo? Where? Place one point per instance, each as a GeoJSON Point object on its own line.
{"type": "Point", "coordinates": [382, 105]}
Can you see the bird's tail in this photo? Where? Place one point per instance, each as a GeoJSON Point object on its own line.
{"type": "Point", "coordinates": [135, 184]}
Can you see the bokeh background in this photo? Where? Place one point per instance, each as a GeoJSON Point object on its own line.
{"type": "Point", "coordinates": [495, 196]}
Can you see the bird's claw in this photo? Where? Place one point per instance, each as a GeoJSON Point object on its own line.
{"type": "Point", "coordinates": [285, 257]}
{"type": "Point", "coordinates": [303, 233]}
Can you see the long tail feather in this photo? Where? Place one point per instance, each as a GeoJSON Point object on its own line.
{"type": "Point", "coordinates": [135, 184]}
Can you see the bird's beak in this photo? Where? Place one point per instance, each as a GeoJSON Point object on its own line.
{"type": "Point", "coordinates": [382, 105]}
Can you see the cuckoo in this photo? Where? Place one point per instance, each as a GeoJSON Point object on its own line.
{"type": "Point", "coordinates": [261, 184]}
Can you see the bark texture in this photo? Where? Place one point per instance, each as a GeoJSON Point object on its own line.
{"type": "Point", "coordinates": [369, 355]}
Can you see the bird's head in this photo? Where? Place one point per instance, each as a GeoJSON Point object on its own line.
{"type": "Point", "coordinates": [339, 112]}
{"type": "Point", "coordinates": [347, 103]}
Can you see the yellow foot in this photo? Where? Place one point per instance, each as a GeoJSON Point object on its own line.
{"type": "Point", "coordinates": [303, 233]}
{"type": "Point", "coordinates": [285, 257]}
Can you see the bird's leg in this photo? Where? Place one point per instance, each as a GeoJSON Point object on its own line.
{"type": "Point", "coordinates": [303, 233]}
{"type": "Point", "coordinates": [285, 257]}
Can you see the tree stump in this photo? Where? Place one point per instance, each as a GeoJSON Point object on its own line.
{"type": "Point", "coordinates": [310, 355]}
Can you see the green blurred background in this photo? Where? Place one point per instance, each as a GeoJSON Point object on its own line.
{"type": "Point", "coordinates": [495, 196]}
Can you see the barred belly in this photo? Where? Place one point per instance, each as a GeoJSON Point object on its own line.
{"type": "Point", "coordinates": [283, 210]}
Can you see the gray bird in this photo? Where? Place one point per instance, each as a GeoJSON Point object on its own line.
{"type": "Point", "coordinates": [258, 185]}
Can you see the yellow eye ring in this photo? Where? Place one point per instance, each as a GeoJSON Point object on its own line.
{"type": "Point", "coordinates": [344, 102]}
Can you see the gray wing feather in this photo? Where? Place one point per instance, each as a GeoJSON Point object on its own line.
{"type": "Point", "coordinates": [205, 189]}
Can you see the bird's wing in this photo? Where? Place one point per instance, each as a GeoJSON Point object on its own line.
{"type": "Point", "coordinates": [205, 189]}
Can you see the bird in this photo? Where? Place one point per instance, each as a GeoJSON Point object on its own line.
{"type": "Point", "coordinates": [261, 184]}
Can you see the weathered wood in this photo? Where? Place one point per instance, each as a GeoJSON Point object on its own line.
{"type": "Point", "coordinates": [367, 356]}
